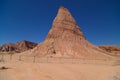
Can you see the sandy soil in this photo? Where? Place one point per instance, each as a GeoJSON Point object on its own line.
{"type": "Point", "coordinates": [58, 71]}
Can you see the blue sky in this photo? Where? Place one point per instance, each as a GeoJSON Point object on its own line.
{"type": "Point", "coordinates": [32, 19]}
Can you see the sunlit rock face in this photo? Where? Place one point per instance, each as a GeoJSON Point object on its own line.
{"type": "Point", "coordinates": [65, 39]}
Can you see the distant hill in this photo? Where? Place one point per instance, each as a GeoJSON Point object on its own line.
{"type": "Point", "coordinates": [18, 47]}
{"type": "Point", "coordinates": [113, 50]}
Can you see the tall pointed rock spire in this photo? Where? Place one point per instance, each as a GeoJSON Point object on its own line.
{"type": "Point", "coordinates": [64, 16]}
{"type": "Point", "coordinates": [64, 22]}
{"type": "Point", "coordinates": [65, 39]}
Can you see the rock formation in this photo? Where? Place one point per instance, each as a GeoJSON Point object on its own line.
{"type": "Point", "coordinates": [25, 45]}
{"type": "Point", "coordinates": [112, 50]}
{"type": "Point", "coordinates": [65, 39]}
{"type": "Point", "coordinates": [8, 47]}
{"type": "Point", "coordinates": [18, 47]}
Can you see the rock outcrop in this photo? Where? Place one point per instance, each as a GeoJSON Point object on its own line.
{"type": "Point", "coordinates": [25, 45]}
{"type": "Point", "coordinates": [65, 39]}
{"type": "Point", "coordinates": [18, 47]}
{"type": "Point", "coordinates": [8, 47]}
{"type": "Point", "coordinates": [112, 50]}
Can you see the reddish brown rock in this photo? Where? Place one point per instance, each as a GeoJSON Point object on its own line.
{"type": "Point", "coordinates": [8, 47]}
{"type": "Point", "coordinates": [65, 39]}
{"type": "Point", "coordinates": [25, 45]}
{"type": "Point", "coordinates": [18, 47]}
{"type": "Point", "coordinates": [112, 50]}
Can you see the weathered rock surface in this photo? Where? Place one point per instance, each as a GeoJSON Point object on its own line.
{"type": "Point", "coordinates": [65, 39]}
{"type": "Point", "coordinates": [25, 45]}
{"type": "Point", "coordinates": [8, 47]}
{"type": "Point", "coordinates": [112, 50]}
{"type": "Point", "coordinates": [18, 47]}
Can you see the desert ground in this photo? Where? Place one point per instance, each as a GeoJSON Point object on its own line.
{"type": "Point", "coordinates": [57, 69]}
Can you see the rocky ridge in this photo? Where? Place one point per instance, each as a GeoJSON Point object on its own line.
{"type": "Point", "coordinates": [18, 47]}
{"type": "Point", "coordinates": [112, 50]}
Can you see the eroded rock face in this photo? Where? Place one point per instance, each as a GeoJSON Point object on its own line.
{"type": "Point", "coordinates": [65, 39]}
{"type": "Point", "coordinates": [8, 47]}
{"type": "Point", "coordinates": [25, 45]}
{"type": "Point", "coordinates": [112, 50]}
{"type": "Point", "coordinates": [18, 47]}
